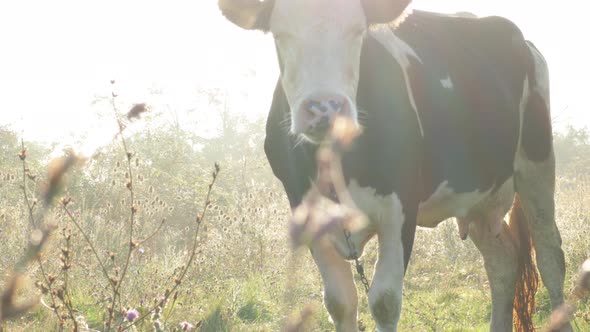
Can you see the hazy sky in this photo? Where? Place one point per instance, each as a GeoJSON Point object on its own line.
{"type": "Point", "coordinates": [56, 56]}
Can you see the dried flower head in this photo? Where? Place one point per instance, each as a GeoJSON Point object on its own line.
{"type": "Point", "coordinates": [344, 131]}
{"type": "Point", "coordinates": [65, 201]}
{"type": "Point", "coordinates": [560, 317]}
{"type": "Point", "coordinates": [298, 323]}
{"type": "Point", "coordinates": [136, 111]}
{"type": "Point", "coordinates": [23, 154]}
{"type": "Point", "coordinates": [9, 308]}
{"type": "Point", "coordinates": [56, 170]}
{"type": "Point", "coordinates": [318, 216]}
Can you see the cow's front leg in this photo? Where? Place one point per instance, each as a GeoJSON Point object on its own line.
{"type": "Point", "coordinates": [340, 295]}
{"type": "Point", "coordinates": [396, 236]}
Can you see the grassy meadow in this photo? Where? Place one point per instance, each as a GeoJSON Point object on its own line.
{"type": "Point", "coordinates": [148, 236]}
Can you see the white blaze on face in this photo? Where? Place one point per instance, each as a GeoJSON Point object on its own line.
{"type": "Point", "coordinates": [319, 45]}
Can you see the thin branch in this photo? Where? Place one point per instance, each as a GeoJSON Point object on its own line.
{"type": "Point", "coordinates": [66, 264]}
{"type": "Point", "coordinates": [149, 237]}
{"type": "Point", "coordinates": [133, 208]}
{"type": "Point", "coordinates": [23, 157]}
{"type": "Point", "coordinates": [87, 239]}
{"type": "Point", "coordinates": [178, 280]}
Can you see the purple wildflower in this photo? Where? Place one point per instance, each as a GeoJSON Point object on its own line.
{"type": "Point", "coordinates": [185, 326]}
{"type": "Point", "coordinates": [141, 251]}
{"type": "Point", "coordinates": [131, 315]}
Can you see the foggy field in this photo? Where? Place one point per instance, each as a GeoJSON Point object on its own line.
{"type": "Point", "coordinates": [243, 275]}
{"type": "Point", "coordinates": [165, 215]}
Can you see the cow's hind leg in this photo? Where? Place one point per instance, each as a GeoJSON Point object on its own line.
{"type": "Point", "coordinates": [535, 186]}
{"type": "Point", "coordinates": [501, 264]}
{"type": "Point", "coordinates": [535, 178]}
{"type": "Point", "coordinates": [340, 295]}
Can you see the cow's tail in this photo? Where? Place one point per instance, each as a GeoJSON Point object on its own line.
{"type": "Point", "coordinates": [528, 278]}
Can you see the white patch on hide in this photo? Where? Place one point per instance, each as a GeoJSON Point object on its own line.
{"type": "Point", "coordinates": [444, 203]}
{"type": "Point", "coordinates": [380, 210]}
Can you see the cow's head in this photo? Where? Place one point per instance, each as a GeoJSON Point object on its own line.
{"type": "Point", "coordinates": [319, 45]}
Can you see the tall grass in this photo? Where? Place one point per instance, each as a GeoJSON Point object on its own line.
{"type": "Point", "coordinates": [132, 247]}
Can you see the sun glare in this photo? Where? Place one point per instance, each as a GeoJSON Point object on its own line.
{"type": "Point", "coordinates": [59, 63]}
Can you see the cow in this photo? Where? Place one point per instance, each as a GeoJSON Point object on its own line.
{"type": "Point", "coordinates": [455, 120]}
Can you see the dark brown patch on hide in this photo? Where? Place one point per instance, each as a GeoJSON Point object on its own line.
{"type": "Point", "coordinates": [536, 128]}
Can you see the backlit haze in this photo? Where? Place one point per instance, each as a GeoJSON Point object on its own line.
{"type": "Point", "coordinates": [57, 59]}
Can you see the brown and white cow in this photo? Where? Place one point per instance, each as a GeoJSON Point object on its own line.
{"type": "Point", "coordinates": [455, 118]}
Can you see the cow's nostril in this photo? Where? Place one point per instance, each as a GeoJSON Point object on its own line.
{"type": "Point", "coordinates": [309, 114]}
{"type": "Point", "coordinates": [336, 105]}
{"type": "Point", "coordinates": [316, 106]}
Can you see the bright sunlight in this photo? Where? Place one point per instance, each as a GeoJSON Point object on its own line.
{"type": "Point", "coordinates": [59, 57]}
{"type": "Point", "coordinates": [143, 189]}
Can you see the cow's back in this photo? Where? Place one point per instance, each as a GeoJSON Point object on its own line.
{"type": "Point", "coordinates": [468, 87]}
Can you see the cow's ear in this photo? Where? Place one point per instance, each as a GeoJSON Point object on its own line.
{"type": "Point", "coordinates": [247, 14]}
{"type": "Point", "coordinates": [384, 11]}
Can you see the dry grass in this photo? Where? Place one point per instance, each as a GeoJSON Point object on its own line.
{"type": "Point", "coordinates": [120, 254]}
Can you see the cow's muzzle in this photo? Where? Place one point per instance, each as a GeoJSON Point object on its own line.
{"type": "Point", "coordinates": [316, 115]}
